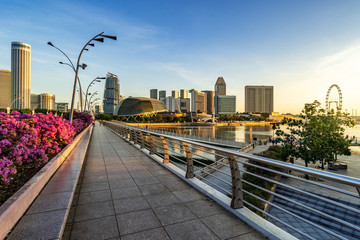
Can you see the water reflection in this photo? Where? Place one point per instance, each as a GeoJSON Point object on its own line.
{"type": "Point", "coordinates": [233, 133]}
{"type": "Point", "coordinates": [240, 133]}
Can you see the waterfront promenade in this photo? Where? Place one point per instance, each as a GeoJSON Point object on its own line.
{"type": "Point", "coordinates": [125, 194]}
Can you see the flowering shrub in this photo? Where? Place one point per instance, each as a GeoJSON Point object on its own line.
{"type": "Point", "coordinates": [80, 120]}
{"type": "Point", "coordinates": [27, 141]}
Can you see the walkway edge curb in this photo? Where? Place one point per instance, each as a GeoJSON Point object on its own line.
{"type": "Point", "coordinates": [15, 207]}
{"type": "Point", "coordinates": [258, 223]}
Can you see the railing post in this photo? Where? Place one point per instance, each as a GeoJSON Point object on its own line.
{"type": "Point", "coordinates": [151, 145]}
{"type": "Point", "coordinates": [166, 150]}
{"type": "Point", "coordinates": [189, 161]}
{"type": "Point", "coordinates": [237, 195]}
{"type": "Point", "coordinates": [129, 134]}
{"type": "Point", "coordinates": [135, 137]}
{"type": "Point", "coordinates": [142, 140]}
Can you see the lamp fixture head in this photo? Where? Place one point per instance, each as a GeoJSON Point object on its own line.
{"type": "Point", "coordinates": [110, 37]}
{"type": "Point", "coordinates": [99, 39]}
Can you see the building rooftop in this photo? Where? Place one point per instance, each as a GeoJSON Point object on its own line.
{"type": "Point", "coordinates": [220, 81]}
{"type": "Point", "coordinates": [134, 106]}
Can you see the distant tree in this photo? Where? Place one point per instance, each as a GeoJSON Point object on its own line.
{"type": "Point", "coordinates": [169, 119]}
{"type": "Point", "coordinates": [264, 116]}
{"type": "Point", "coordinates": [44, 111]}
{"type": "Point", "coordinates": [158, 118]}
{"type": "Point", "coordinates": [318, 137]}
{"type": "Point", "coordinates": [105, 116]}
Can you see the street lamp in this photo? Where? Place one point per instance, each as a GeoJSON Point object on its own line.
{"type": "Point", "coordinates": [91, 104]}
{"type": "Point", "coordinates": [14, 101]}
{"type": "Point", "coordinates": [97, 79]}
{"type": "Point", "coordinates": [96, 99]}
{"type": "Point", "coordinates": [70, 65]}
{"type": "Point", "coordinates": [95, 38]}
{"type": "Point", "coordinates": [95, 93]}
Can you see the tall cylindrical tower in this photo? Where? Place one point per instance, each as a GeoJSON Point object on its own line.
{"type": "Point", "coordinates": [47, 101]}
{"type": "Point", "coordinates": [20, 75]}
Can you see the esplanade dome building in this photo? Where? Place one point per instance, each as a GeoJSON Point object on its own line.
{"type": "Point", "coordinates": [139, 106]}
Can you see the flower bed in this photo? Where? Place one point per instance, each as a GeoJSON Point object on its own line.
{"type": "Point", "coordinates": [27, 142]}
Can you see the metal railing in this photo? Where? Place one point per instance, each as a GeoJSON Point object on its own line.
{"type": "Point", "coordinates": [223, 142]}
{"type": "Point", "coordinates": [316, 196]}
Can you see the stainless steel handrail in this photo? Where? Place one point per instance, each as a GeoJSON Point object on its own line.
{"type": "Point", "coordinates": [355, 182]}
{"type": "Point", "coordinates": [235, 157]}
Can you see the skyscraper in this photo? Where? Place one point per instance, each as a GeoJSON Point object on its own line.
{"type": "Point", "coordinates": [220, 87]}
{"type": "Point", "coordinates": [259, 99]}
{"type": "Point", "coordinates": [225, 104]}
{"type": "Point", "coordinates": [209, 101]}
{"type": "Point", "coordinates": [185, 105]}
{"type": "Point", "coordinates": [98, 109]}
{"type": "Point", "coordinates": [154, 93]}
{"type": "Point", "coordinates": [172, 104]}
{"type": "Point", "coordinates": [111, 93]}
{"type": "Point", "coordinates": [162, 94]}
{"type": "Point", "coordinates": [5, 88]}
{"type": "Point", "coordinates": [183, 93]}
{"type": "Point", "coordinates": [43, 101]}
{"type": "Point", "coordinates": [20, 75]}
{"type": "Point", "coordinates": [175, 94]}
{"type": "Point", "coordinates": [198, 101]}
{"type": "Point", "coordinates": [47, 101]}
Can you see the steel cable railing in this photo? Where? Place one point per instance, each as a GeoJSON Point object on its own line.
{"type": "Point", "coordinates": [225, 171]}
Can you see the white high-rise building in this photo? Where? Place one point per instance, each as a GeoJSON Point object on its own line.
{"type": "Point", "coordinates": [172, 104]}
{"type": "Point", "coordinates": [20, 75]}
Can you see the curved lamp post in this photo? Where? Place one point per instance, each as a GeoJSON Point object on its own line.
{"type": "Point", "coordinates": [91, 106]}
{"type": "Point", "coordinates": [70, 64]}
{"type": "Point", "coordinates": [97, 79]}
{"type": "Point", "coordinates": [100, 38]}
{"type": "Point", "coordinates": [14, 101]}
{"type": "Point", "coordinates": [95, 93]}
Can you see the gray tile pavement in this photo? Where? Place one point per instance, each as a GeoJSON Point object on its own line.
{"type": "Point", "coordinates": [126, 195]}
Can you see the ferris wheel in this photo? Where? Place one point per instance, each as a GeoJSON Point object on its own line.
{"type": "Point", "coordinates": [338, 103]}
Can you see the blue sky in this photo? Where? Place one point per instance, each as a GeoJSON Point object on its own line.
{"type": "Point", "coordinates": [299, 47]}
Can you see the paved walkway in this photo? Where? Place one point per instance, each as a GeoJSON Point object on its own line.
{"type": "Point", "coordinates": [125, 194]}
